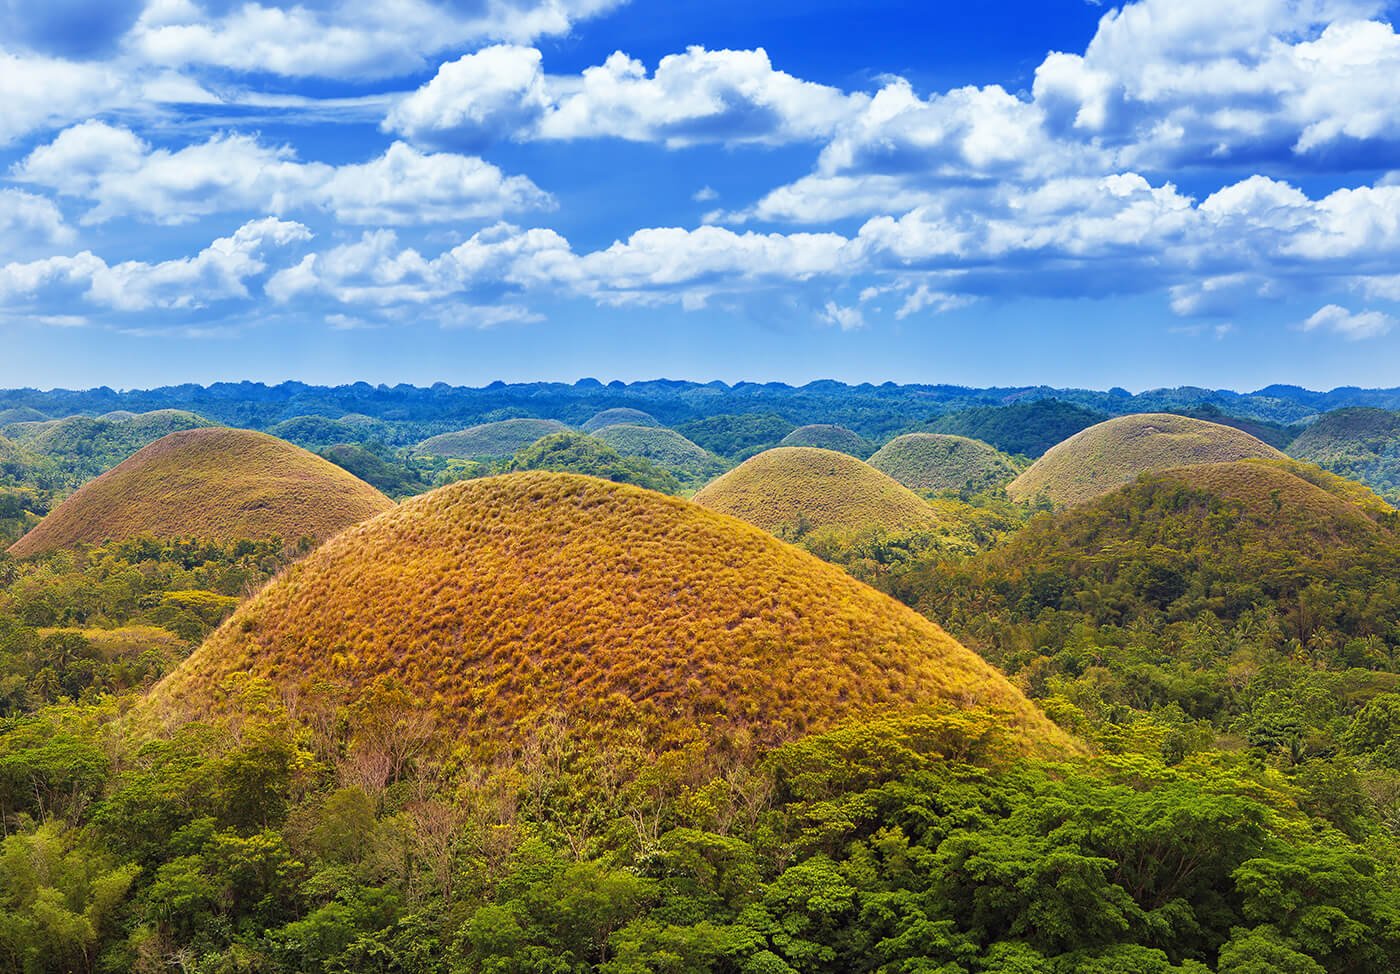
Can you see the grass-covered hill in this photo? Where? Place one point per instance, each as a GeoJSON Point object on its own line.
{"type": "Point", "coordinates": [666, 448]}
{"type": "Point", "coordinates": [20, 414]}
{"type": "Point", "coordinates": [792, 489]}
{"type": "Point", "coordinates": [216, 483]}
{"type": "Point", "coordinates": [81, 447]}
{"type": "Point", "coordinates": [943, 462]}
{"type": "Point", "coordinates": [1363, 444]}
{"type": "Point", "coordinates": [619, 416]}
{"type": "Point", "coordinates": [1113, 453]}
{"type": "Point", "coordinates": [583, 454]}
{"type": "Point", "coordinates": [381, 470]}
{"type": "Point", "coordinates": [522, 598]}
{"type": "Point", "coordinates": [825, 436]}
{"type": "Point", "coordinates": [317, 432]}
{"type": "Point", "coordinates": [737, 437]}
{"type": "Point", "coordinates": [1024, 428]}
{"type": "Point", "coordinates": [489, 441]}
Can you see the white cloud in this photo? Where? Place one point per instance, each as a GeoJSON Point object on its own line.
{"type": "Point", "coordinates": [220, 272]}
{"type": "Point", "coordinates": [1354, 327]}
{"type": "Point", "coordinates": [30, 223]}
{"type": "Point", "coordinates": [845, 318]}
{"type": "Point", "coordinates": [126, 177]}
{"type": "Point", "coordinates": [354, 40]}
{"type": "Point", "coordinates": [40, 91]}
{"type": "Point", "coordinates": [700, 96]}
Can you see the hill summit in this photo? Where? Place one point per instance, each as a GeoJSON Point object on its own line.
{"type": "Point", "coordinates": [528, 596]}
{"type": "Point", "coordinates": [212, 482]}
{"type": "Point", "coordinates": [798, 485]}
{"type": "Point", "coordinates": [1110, 454]}
{"type": "Point", "coordinates": [942, 461]}
{"type": "Point", "coordinates": [490, 441]}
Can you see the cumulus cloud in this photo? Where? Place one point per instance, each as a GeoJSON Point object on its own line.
{"type": "Point", "coordinates": [29, 223]}
{"type": "Point", "coordinates": [219, 272]}
{"type": "Point", "coordinates": [1354, 327]}
{"type": "Point", "coordinates": [700, 96]}
{"type": "Point", "coordinates": [355, 40]}
{"type": "Point", "coordinates": [126, 177]}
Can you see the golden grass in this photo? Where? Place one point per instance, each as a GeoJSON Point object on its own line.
{"type": "Point", "coordinates": [826, 436]}
{"type": "Point", "coordinates": [619, 416]}
{"type": "Point", "coordinates": [489, 441]}
{"type": "Point", "coordinates": [788, 486]}
{"type": "Point", "coordinates": [1104, 457]}
{"type": "Point", "coordinates": [1289, 494]}
{"type": "Point", "coordinates": [215, 483]}
{"type": "Point", "coordinates": [942, 462]}
{"type": "Point", "coordinates": [509, 599]}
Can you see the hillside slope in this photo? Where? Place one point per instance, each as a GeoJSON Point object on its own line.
{"type": "Point", "coordinates": [215, 483]}
{"type": "Point", "coordinates": [619, 416]}
{"type": "Point", "coordinates": [665, 448]}
{"type": "Point", "coordinates": [825, 436]}
{"type": "Point", "coordinates": [791, 486]}
{"type": "Point", "coordinates": [1116, 452]}
{"type": "Point", "coordinates": [942, 462]}
{"type": "Point", "coordinates": [1362, 444]}
{"type": "Point", "coordinates": [533, 596]}
{"type": "Point", "coordinates": [489, 441]}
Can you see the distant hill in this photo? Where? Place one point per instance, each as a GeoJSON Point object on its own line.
{"type": "Point", "coordinates": [1026, 428]}
{"type": "Point", "coordinates": [620, 416]}
{"type": "Point", "coordinates": [622, 613]}
{"type": "Point", "coordinates": [1362, 444]}
{"type": "Point", "coordinates": [489, 441]}
{"type": "Point", "coordinates": [825, 436]}
{"type": "Point", "coordinates": [21, 414]}
{"type": "Point", "coordinates": [791, 489]}
{"type": "Point", "coordinates": [943, 462]}
{"type": "Point", "coordinates": [316, 432]}
{"type": "Point", "coordinates": [394, 479]}
{"type": "Point", "coordinates": [580, 453]}
{"type": "Point", "coordinates": [1106, 456]}
{"type": "Point", "coordinates": [665, 448]}
{"type": "Point", "coordinates": [81, 447]}
{"type": "Point", "coordinates": [215, 483]}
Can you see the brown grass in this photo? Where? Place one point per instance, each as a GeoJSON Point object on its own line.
{"type": "Point", "coordinates": [1104, 457]}
{"type": "Point", "coordinates": [215, 483]}
{"type": "Point", "coordinates": [786, 486]}
{"type": "Point", "coordinates": [504, 600]}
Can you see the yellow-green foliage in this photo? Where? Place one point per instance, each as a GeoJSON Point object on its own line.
{"type": "Point", "coordinates": [621, 416]}
{"type": "Point", "coordinates": [664, 447]}
{"type": "Point", "coordinates": [128, 642]}
{"type": "Point", "coordinates": [215, 483]}
{"type": "Point", "coordinates": [825, 436]}
{"type": "Point", "coordinates": [489, 441]}
{"type": "Point", "coordinates": [943, 462]}
{"type": "Point", "coordinates": [529, 596]}
{"type": "Point", "coordinates": [1106, 456]}
{"type": "Point", "coordinates": [792, 489]}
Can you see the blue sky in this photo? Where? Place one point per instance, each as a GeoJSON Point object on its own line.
{"type": "Point", "coordinates": [1159, 193]}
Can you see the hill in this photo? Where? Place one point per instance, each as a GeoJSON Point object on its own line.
{"type": "Point", "coordinates": [82, 447]}
{"type": "Point", "coordinates": [1025, 428]}
{"type": "Point", "coordinates": [666, 448]}
{"type": "Point", "coordinates": [792, 489]}
{"type": "Point", "coordinates": [1361, 444]}
{"type": "Point", "coordinates": [317, 432]}
{"type": "Point", "coordinates": [1106, 456]}
{"type": "Point", "coordinates": [526, 597]}
{"type": "Point", "coordinates": [21, 414]}
{"type": "Point", "coordinates": [216, 483]}
{"type": "Point", "coordinates": [737, 437]}
{"type": "Point", "coordinates": [583, 454]}
{"type": "Point", "coordinates": [386, 474]}
{"type": "Point", "coordinates": [942, 462]}
{"type": "Point", "coordinates": [621, 416]}
{"type": "Point", "coordinates": [489, 441]}
{"type": "Point", "coordinates": [825, 436]}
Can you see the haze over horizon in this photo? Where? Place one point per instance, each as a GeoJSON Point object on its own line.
{"type": "Point", "coordinates": [1060, 193]}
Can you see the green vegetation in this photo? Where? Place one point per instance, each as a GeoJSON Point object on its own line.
{"type": "Point", "coordinates": [590, 456]}
{"type": "Point", "coordinates": [619, 416]}
{"type": "Point", "coordinates": [382, 470]}
{"type": "Point", "coordinates": [939, 463]}
{"type": "Point", "coordinates": [825, 436]}
{"type": "Point", "coordinates": [691, 464]}
{"type": "Point", "coordinates": [209, 483]}
{"type": "Point", "coordinates": [1362, 444]}
{"type": "Point", "coordinates": [737, 437]}
{"type": "Point", "coordinates": [1104, 457]}
{"type": "Point", "coordinates": [529, 597]}
{"type": "Point", "coordinates": [793, 490]}
{"type": "Point", "coordinates": [1023, 428]}
{"type": "Point", "coordinates": [81, 447]}
{"type": "Point", "coordinates": [489, 441]}
{"type": "Point", "coordinates": [319, 432]}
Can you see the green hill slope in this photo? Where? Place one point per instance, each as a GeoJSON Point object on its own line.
{"type": "Point", "coordinates": [825, 436]}
{"type": "Point", "coordinates": [489, 441]}
{"type": "Point", "coordinates": [1361, 444]}
{"type": "Point", "coordinates": [619, 416]}
{"type": "Point", "coordinates": [941, 462]}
